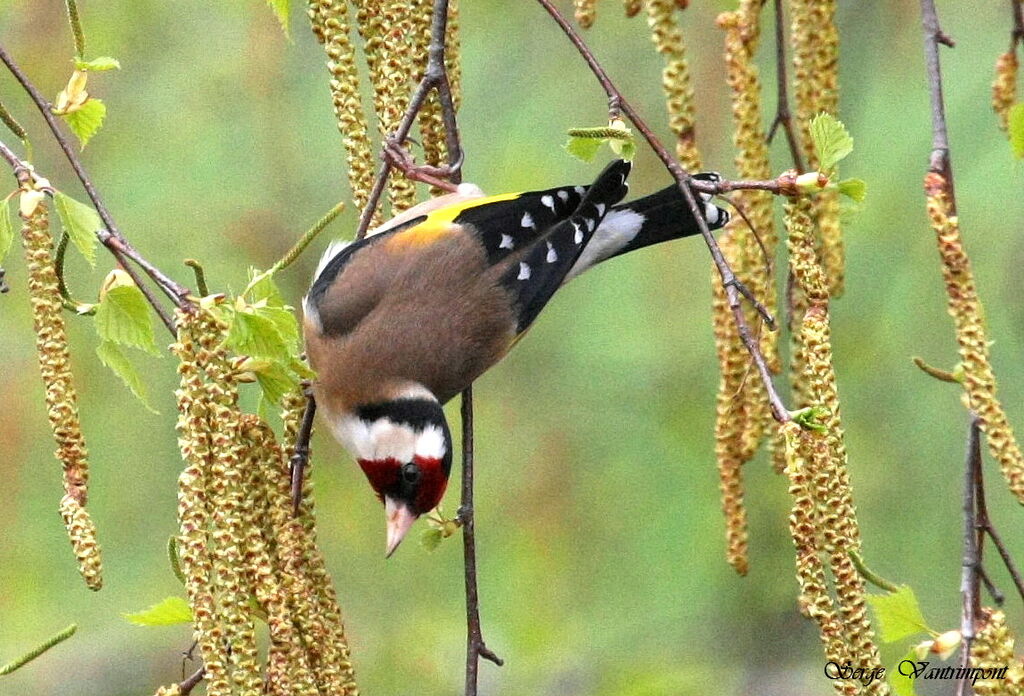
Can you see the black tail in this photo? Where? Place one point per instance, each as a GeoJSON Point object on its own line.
{"type": "Point", "coordinates": [666, 215]}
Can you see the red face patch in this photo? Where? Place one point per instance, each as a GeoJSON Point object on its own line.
{"type": "Point", "coordinates": [432, 484]}
{"type": "Point", "coordinates": [382, 474]}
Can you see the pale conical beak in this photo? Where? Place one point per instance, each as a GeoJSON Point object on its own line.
{"type": "Point", "coordinates": [399, 520]}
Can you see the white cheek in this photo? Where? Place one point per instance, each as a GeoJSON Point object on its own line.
{"type": "Point", "coordinates": [391, 441]}
{"type": "Point", "coordinates": [353, 434]}
{"type": "Point", "coordinates": [431, 443]}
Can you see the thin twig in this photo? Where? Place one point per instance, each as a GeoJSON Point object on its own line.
{"type": "Point", "coordinates": [24, 174]}
{"type": "Point", "coordinates": [783, 117]}
{"type": "Point", "coordinates": [1017, 35]}
{"type": "Point", "coordinates": [185, 687]}
{"type": "Point", "coordinates": [686, 185]}
{"type": "Point", "coordinates": [939, 162]}
{"type": "Point", "coordinates": [989, 529]}
{"type": "Point", "coordinates": [969, 576]}
{"type": "Point", "coordinates": [475, 646]}
{"type": "Point", "coordinates": [300, 455]}
{"type": "Point", "coordinates": [997, 596]}
{"type": "Point", "coordinates": [113, 238]}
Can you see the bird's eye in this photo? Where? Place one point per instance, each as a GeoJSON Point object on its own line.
{"type": "Point", "coordinates": [411, 473]}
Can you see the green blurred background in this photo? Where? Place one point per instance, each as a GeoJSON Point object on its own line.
{"type": "Point", "coordinates": [600, 538]}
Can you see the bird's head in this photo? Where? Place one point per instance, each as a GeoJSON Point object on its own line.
{"type": "Point", "coordinates": [404, 447]}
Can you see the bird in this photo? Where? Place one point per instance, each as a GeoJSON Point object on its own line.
{"type": "Point", "coordinates": [399, 322]}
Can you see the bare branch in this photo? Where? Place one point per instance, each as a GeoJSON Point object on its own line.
{"type": "Point", "coordinates": [119, 245]}
{"type": "Point", "coordinates": [783, 117]}
{"type": "Point", "coordinates": [24, 174]}
{"type": "Point", "coordinates": [686, 185]}
{"type": "Point", "coordinates": [475, 646]}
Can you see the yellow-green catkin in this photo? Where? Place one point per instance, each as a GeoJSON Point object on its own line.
{"type": "Point", "coordinates": [61, 398]}
{"type": "Point", "coordinates": [837, 521]}
{"type": "Point", "coordinates": [429, 119]}
{"type": "Point", "coordinates": [815, 600]}
{"type": "Point", "coordinates": [194, 439]}
{"type": "Point", "coordinates": [992, 649]}
{"type": "Point", "coordinates": [730, 415]}
{"type": "Point", "coordinates": [288, 663]}
{"type": "Point", "coordinates": [226, 495]}
{"type": "Point", "coordinates": [316, 567]}
{"type": "Point", "coordinates": [170, 690]}
{"type": "Point", "coordinates": [392, 46]}
{"type": "Point", "coordinates": [815, 45]}
{"type": "Point", "coordinates": [675, 79]}
{"type": "Point", "coordinates": [1004, 87]}
{"type": "Point", "coordinates": [632, 7]}
{"type": "Point", "coordinates": [969, 318]}
{"type": "Point", "coordinates": [742, 410]}
{"type": "Point", "coordinates": [330, 23]}
{"type": "Point", "coordinates": [755, 253]}
{"type": "Point", "coordinates": [586, 12]}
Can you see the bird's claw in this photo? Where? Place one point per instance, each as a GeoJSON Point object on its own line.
{"type": "Point", "coordinates": [396, 154]}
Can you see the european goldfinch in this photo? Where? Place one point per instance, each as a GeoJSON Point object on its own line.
{"type": "Point", "coordinates": [400, 322]}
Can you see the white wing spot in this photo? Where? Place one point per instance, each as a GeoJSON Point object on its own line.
{"type": "Point", "coordinates": [600, 209]}
{"type": "Point", "coordinates": [711, 213]}
{"type": "Point", "coordinates": [524, 271]}
{"type": "Point", "coordinates": [552, 254]}
{"type": "Point", "coordinates": [548, 201]}
{"type": "Point", "coordinates": [527, 220]}
{"type": "Point", "coordinates": [506, 242]}
{"type": "Point", "coordinates": [591, 224]}
{"type": "Point", "coordinates": [579, 190]}
{"type": "Point", "coordinates": [578, 237]}
{"type": "Point", "coordinates": [563, 196]}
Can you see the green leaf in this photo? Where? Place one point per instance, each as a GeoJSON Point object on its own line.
{"type": "Point", "coordinates": [6, 229]}
{"type": "Point", "coordinates": [262, 287]}
{"type": "Point", "coordinates": [903, 685]}
{"type": "Point", "coordinates": [285, 322]}
{"type": "Point", "coordinates": [431, 538]}
{"type": "Point", "coordinates": [80, 222]}
{"type": "Point", "coordinates": [123, 317]}
{"type": "Point", "coordinates": [84, 122]}
{"type": "Point", "coordinates": [171, 611]}
{"type": "Point", "coordinates": [281, 8]}
{"type": "Point", "coordinates": [111, 356]}
{"type": "Point", "coordinates": [257, 335]}
{"type": "Point", "coordinates": [854, 188]}
{"type": "Point", "coordinates": [303, 370]}
{"type": "Point", "coordinates": [276, 381]}
{"type": "Point", "coordinates": [831, 141]}
{"type": "Point", "coordinates": [97, 64]}
{"type": "Point", "coordinates": [1015, 127]}
{"type": "Point", "coordinates": [810, 418]}
{"type": "Point", "coordinates": [898, 614]}
{"type": "Point", "coordinates": [583, 148]}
